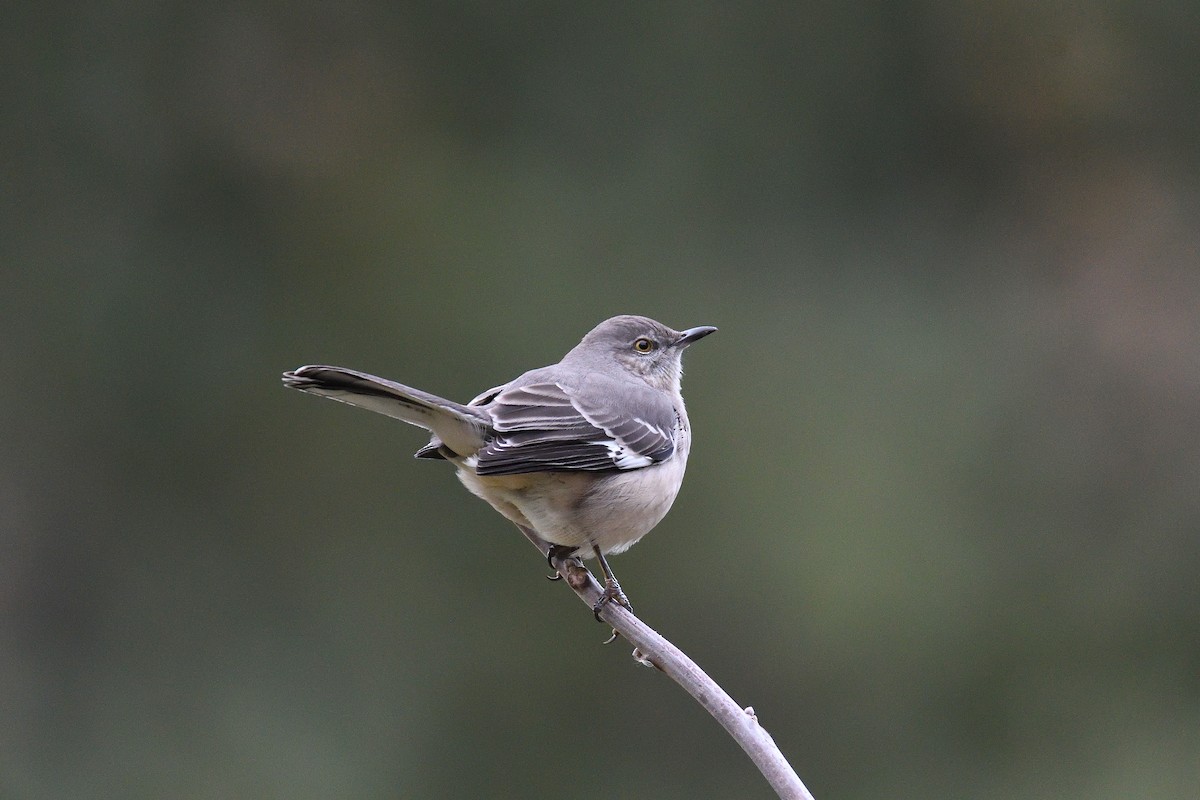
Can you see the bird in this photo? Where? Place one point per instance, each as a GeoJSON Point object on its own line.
{"type": "Point", "coordinates": [587, 454]}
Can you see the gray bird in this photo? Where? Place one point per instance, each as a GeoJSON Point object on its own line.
{"type": "Point", "coordinates": [588, 453]}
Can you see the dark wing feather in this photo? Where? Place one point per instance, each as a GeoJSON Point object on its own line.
{"type": "Point", "coordinates": [544, 427]}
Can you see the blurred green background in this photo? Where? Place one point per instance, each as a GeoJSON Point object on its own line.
{"type": "Point", "coordinates": [941, 526]}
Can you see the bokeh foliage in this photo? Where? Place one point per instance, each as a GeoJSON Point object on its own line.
{"type": "Point", "coordinates": [942, 522]}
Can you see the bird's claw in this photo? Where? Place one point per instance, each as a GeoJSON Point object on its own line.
{"type": "Point", "coordinates": [612, 594]}
{"type": "Point", "coordinates": [558, 551]}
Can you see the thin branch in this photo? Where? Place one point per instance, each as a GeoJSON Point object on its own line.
{"type": "Point", "coordinates": [653, 650]}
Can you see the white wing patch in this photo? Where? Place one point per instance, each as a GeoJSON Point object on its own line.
{"type": "Point", "coordinates": [621, 457]}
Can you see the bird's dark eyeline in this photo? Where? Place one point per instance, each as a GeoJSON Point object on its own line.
{"type": "Point", "coordinates": [588, 453]}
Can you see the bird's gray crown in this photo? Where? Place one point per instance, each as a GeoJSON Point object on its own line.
{"type": "Point", "coordinates": [625, 330]}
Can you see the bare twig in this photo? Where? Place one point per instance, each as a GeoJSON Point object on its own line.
{"type": "Point", "coordinates": [652, 649]}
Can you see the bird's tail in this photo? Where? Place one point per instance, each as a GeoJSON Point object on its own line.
{"type": "Point", "coordinates": [461, 428]}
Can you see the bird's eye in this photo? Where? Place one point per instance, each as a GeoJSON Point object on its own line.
{"type": "Point", "coordinates": [643, 345]}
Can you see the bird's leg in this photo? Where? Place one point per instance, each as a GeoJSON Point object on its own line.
{"type": "Point", "coordinates": [612, 590]}
{"type": "Point", "coordinates": [557, 551]}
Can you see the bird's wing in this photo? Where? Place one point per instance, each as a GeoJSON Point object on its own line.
{"type": "Point", "coordinates": [547, 427]}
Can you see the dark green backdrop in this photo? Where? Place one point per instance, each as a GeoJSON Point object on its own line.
{"type": "Point", "coordinates": [942, 521]}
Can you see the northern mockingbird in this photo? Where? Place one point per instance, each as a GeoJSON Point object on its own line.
{"type": "Point", "coordinates": [588, 453]}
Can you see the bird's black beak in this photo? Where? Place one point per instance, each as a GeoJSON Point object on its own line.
{"type": "Point", "coordinates": [694, 334]}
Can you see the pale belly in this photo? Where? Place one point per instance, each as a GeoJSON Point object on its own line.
{"type": "Point", "coordinates": [580, 509]}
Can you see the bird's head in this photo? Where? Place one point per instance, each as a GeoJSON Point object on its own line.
{"type": "Point", "coordinates": [640, 346]}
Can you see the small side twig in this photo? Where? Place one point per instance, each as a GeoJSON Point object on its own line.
{"type": "Point", "coordinates": [652, 649]}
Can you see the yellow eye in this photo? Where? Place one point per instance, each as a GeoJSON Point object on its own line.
{"type": "Point", "coordinates": [643, 345]}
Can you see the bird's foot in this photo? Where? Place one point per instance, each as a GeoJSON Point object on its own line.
{"type": "Point", "coordinates": [558, 551]}
{"type": "Point", "coordinates": [612, 594]}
